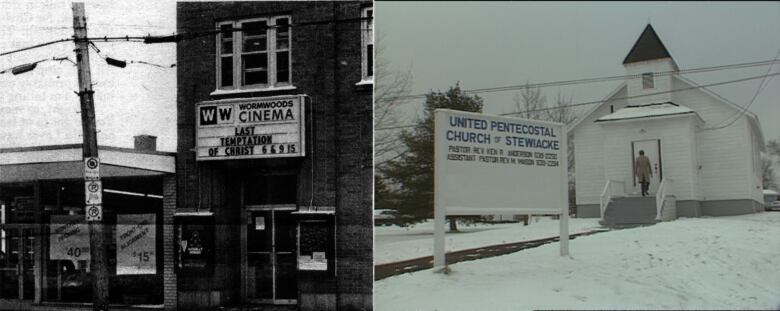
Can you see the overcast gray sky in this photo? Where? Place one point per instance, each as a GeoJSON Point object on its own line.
{"type": "Point", "coordinates": [480, 44]}
{"type": "Point", "coordinates": [40, 108]}
{"type": "Point", "coordinates": [488, 44]}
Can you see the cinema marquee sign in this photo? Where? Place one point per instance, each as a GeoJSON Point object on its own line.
{"type": "Point", "coordinates": [250, 128]}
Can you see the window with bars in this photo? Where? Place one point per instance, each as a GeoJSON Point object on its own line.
{"type": "Point", "coordinates": [368, 43]}
{"type": "Point", "coordinates": [254, 53]}
{"type": "Point", "coordinates": [647, 80]}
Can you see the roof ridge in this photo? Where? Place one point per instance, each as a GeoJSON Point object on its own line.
{"type": "Point", "coordinates": [651, 104]}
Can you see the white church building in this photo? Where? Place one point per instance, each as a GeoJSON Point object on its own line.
{"type": "Point", "coordinates": [700, 166]}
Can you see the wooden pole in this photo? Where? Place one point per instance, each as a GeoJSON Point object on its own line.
{"type": "Point", "coordinates": [98, 266]}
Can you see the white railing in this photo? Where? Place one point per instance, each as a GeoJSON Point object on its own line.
{"type": "Point", "coordinates": [612, 189]}
{"type": "Point", "coordinates": [664, 189]}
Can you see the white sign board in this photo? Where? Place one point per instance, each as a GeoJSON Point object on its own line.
{"type": "Point", "coordinates": [250, 128]}
{"type": "Point", "coordinates": [490, 164]}
{"type": "Point", "coordinates": [316, 262]}
{"type": "Point", "coordinates": [91, 168]}
{"type": "Point", "coordinates": [486, 164]}
{"type": "Point", "coordinates": [93, 192]}
{"type": "Point", "coordinates": [135, 244]}
{"type": "Point", "coordinates": [69, 238]}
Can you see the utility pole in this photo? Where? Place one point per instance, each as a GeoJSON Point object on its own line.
{"type": "Point", "coordinates": [98, 265]}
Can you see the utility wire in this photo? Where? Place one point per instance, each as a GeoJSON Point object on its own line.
{"type": "Point", "coordinates": [601, 79]}
{"type": "Point", "coordinates": [613, 99]}
{"type": "Point", "coordinates": [122, 63]}
{"type": "Point", "coordinates": [741, 112]}
{"type": "Point", "coordinates": [192, 35]}
{"type": "Point", "coordinates": [649, 94]}
{"type": "Point", "coordinates": [34, 46]}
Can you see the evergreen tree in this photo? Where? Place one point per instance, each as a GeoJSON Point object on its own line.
{"type": "Point", "coordinates": [412, 171]}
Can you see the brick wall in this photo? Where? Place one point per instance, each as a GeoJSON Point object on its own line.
{"type": "Point", "coordinates": [169, 207]}
{"type": "Point", "coordinates": [337, 169]}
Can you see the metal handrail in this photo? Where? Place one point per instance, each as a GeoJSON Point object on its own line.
{"type": "Point", "coordinates": [664, 189]}
{"type": "Point", "coordinates": [610, 190]}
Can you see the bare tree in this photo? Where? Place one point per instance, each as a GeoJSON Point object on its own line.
{"type": "Point", "coordinates": [390, 89]}
{"type": "Point", "coordinates": [769, 161]}
{"type": "Point", "coordinates": [529, 102]}
{"type": "Point", "coordinates": [769, 177]}
{"type": "Point", "coordinates": [561, 112]}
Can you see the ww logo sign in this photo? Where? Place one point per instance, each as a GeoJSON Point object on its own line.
{"type": "Point", "coordinates": [210, 115]}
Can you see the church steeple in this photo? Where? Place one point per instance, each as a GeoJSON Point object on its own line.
{"type": "Point", "coordinates": [644, 63]}
{"type": "Point", "coordinates": [647, 47]}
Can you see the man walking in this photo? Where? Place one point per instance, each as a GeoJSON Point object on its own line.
{"type": "Point", "coordinates": [643, 172]}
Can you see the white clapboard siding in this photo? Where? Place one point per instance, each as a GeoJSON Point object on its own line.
{"type": "Point", "coordinates": [676, 136]}
{"type": "Point", "coordinates": [725, 155]}
{"type": "Point", "coordinates": [661, 83]}
{"type": "Point", "coordinates": [588, 146]}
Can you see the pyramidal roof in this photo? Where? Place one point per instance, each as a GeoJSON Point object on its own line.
{"type": "Point", "coordinates": [647, 47]}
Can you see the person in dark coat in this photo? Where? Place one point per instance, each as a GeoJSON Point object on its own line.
{"type": "Point", "coordinates": [643, 172]}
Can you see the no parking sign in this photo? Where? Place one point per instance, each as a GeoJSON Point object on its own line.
{"type": "Point", "coordinates": [93, 189]}
{"type": "Point", "coordinates": [94, 212]}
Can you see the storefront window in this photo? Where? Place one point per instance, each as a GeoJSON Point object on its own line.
{"type": "Point", "coordinates": [67, 275]}
{"type": "Point", "coordinates": [17, 240]}
{"type": "Point", "coordinates": [133, 249]}
{"type": "Point", "coordinates": [195, 240]}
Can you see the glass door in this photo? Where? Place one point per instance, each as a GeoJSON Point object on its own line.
{"type": "Point", "coordinates": [17, 262]}
{"type": "Point", "coordinates": [271, 257]}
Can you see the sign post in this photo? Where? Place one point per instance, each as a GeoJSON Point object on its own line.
{"type": "Point", "coordinates": [486, 164]}
{"type": "Point", "coordinates": [98, 262]}
{"type": "Point", "coordinates": [564, 221]}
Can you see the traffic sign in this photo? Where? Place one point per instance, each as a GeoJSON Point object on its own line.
{"type": "Point", "coordinates": [91, 168]}
{"type": "Point", "coordinates": [93, 192]}
{"type": "Point", "coordinates": [94, 212]}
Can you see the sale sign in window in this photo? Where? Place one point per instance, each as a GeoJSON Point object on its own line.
{"type": "Point", "coordinates": [135, 244]}
{"type": "Point", "coordinates": [69, 238]}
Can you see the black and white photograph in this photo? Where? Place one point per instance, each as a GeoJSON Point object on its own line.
{"type": "Point", "coordinates": [186, 155]}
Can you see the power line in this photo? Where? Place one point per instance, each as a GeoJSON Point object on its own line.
{"type": "Point", "coordinates": [600, 79]}
{"type": "Point", "coordinates": [650, 94]}
{"type": "Point", "coordinates": [741, 112]}
{"type": "Point", "coordinates": [196, 34]}
{"type": "Point", "coordinates": [123, 63]}
{"type": "Point", "coordinates": [34, 46]}
{"type": "Point", "coordinates": [612, 99]}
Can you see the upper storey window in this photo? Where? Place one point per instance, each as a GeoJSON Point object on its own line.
{"type": "Point", "coordinates": [367, 47]}
{"type": "Point", "coordinates": [254, 54]}
{"type": "Point", "coordinates": [647, 80]}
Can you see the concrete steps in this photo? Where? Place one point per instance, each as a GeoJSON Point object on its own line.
{"type": "Point", "coordinates": [630, 211]}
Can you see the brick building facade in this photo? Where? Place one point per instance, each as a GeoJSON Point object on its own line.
{"type": "Point", "coordinates": [288, 227]}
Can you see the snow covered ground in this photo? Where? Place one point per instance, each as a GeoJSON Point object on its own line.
{"type": "Point", "coordinates": [397, 243]}
{"type": "Point", "coordinates": [690, 263]}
